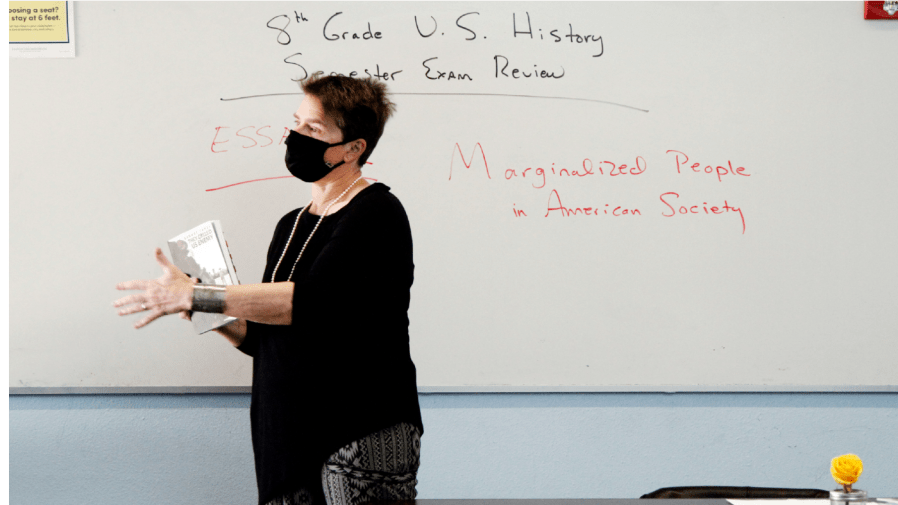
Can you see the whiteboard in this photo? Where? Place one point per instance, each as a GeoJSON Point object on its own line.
{"type": "Point", "coordinates": [603, 196]}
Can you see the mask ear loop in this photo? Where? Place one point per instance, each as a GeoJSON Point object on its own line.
{"type": "Point", "coordinates": [335, 145]}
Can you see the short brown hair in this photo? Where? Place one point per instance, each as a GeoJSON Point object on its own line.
{"type": "Point", "coordinates": [360, 107]}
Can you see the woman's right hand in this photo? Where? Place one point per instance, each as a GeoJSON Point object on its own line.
{"type": "Point", "coordinates": [187, 314]}
{"type": "Point", "coordinates": [172, 293]}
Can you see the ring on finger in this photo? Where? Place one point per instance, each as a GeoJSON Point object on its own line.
{"type": "Point", "coordinates": [143, 306]}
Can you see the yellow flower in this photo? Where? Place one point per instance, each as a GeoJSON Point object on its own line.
{"type": "Point", "coordinates": [846, 469]}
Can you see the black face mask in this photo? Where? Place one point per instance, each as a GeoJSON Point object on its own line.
{"type": "Point", "coordinates": [305, 157]}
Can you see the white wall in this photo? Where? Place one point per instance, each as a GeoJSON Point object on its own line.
{"type": "Point", "coordinates": [196, 449]}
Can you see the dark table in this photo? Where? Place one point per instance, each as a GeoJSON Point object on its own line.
{"type": "Point", "coordinates": [597, 501]}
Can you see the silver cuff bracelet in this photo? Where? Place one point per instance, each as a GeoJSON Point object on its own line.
{"type": "Point", "coordinates": [208, 298]}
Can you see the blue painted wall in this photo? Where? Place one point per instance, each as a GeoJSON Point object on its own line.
{"type": "Point", "coordinates": [196, 449]}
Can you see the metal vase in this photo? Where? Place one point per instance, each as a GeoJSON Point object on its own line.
{"type": "Point", "coordinates": [840, 497]}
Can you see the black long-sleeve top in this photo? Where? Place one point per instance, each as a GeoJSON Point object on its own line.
{"type": "Point", "coordinates": [342, 369]}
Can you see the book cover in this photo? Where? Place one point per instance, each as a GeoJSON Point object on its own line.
{"type": "Point", "coordinates": [202, 253]}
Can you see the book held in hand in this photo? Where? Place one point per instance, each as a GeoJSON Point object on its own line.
{"type": "Point", "coordinates": [202, 253]}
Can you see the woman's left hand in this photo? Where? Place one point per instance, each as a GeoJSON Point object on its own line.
{"type": "Point", "coordinates": [170, 294]}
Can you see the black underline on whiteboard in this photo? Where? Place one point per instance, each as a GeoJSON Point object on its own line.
{"type": "Point", "coordinates": [467, 94]}
{"type": "Point", "coordinates": [256, 96]}
{"type": "Point", "coordinates": [529, 96]}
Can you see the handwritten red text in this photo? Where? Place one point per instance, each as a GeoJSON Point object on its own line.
{"type": "Point", "coordinates": [555, 205]}
{"type": "Point", "coordinates": [466, 164]}
{"type": "Point", "coordinates": [682, 161]}
{"type": "Point", "coordinates": [674, 208]}
{"type": "Point", "coordinates": [249, 134]}
{"type": "Point", "coordinates": [587, 167]}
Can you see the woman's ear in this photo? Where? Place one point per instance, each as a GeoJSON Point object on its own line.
{"type": "Point", "coordinates": [356, 149]}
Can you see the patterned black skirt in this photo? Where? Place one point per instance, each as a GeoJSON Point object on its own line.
{"type": "Point", "coordinates": [382, 466]}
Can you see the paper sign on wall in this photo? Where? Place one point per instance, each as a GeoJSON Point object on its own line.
{"type": "Point", "coordinates": [41, 30]}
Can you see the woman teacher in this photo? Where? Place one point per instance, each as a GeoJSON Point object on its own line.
{"type": "Point", "coordinates": [335, 414]}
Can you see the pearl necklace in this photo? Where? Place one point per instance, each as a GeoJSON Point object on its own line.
{"type": "Point", "coordinates": [335, 200]}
